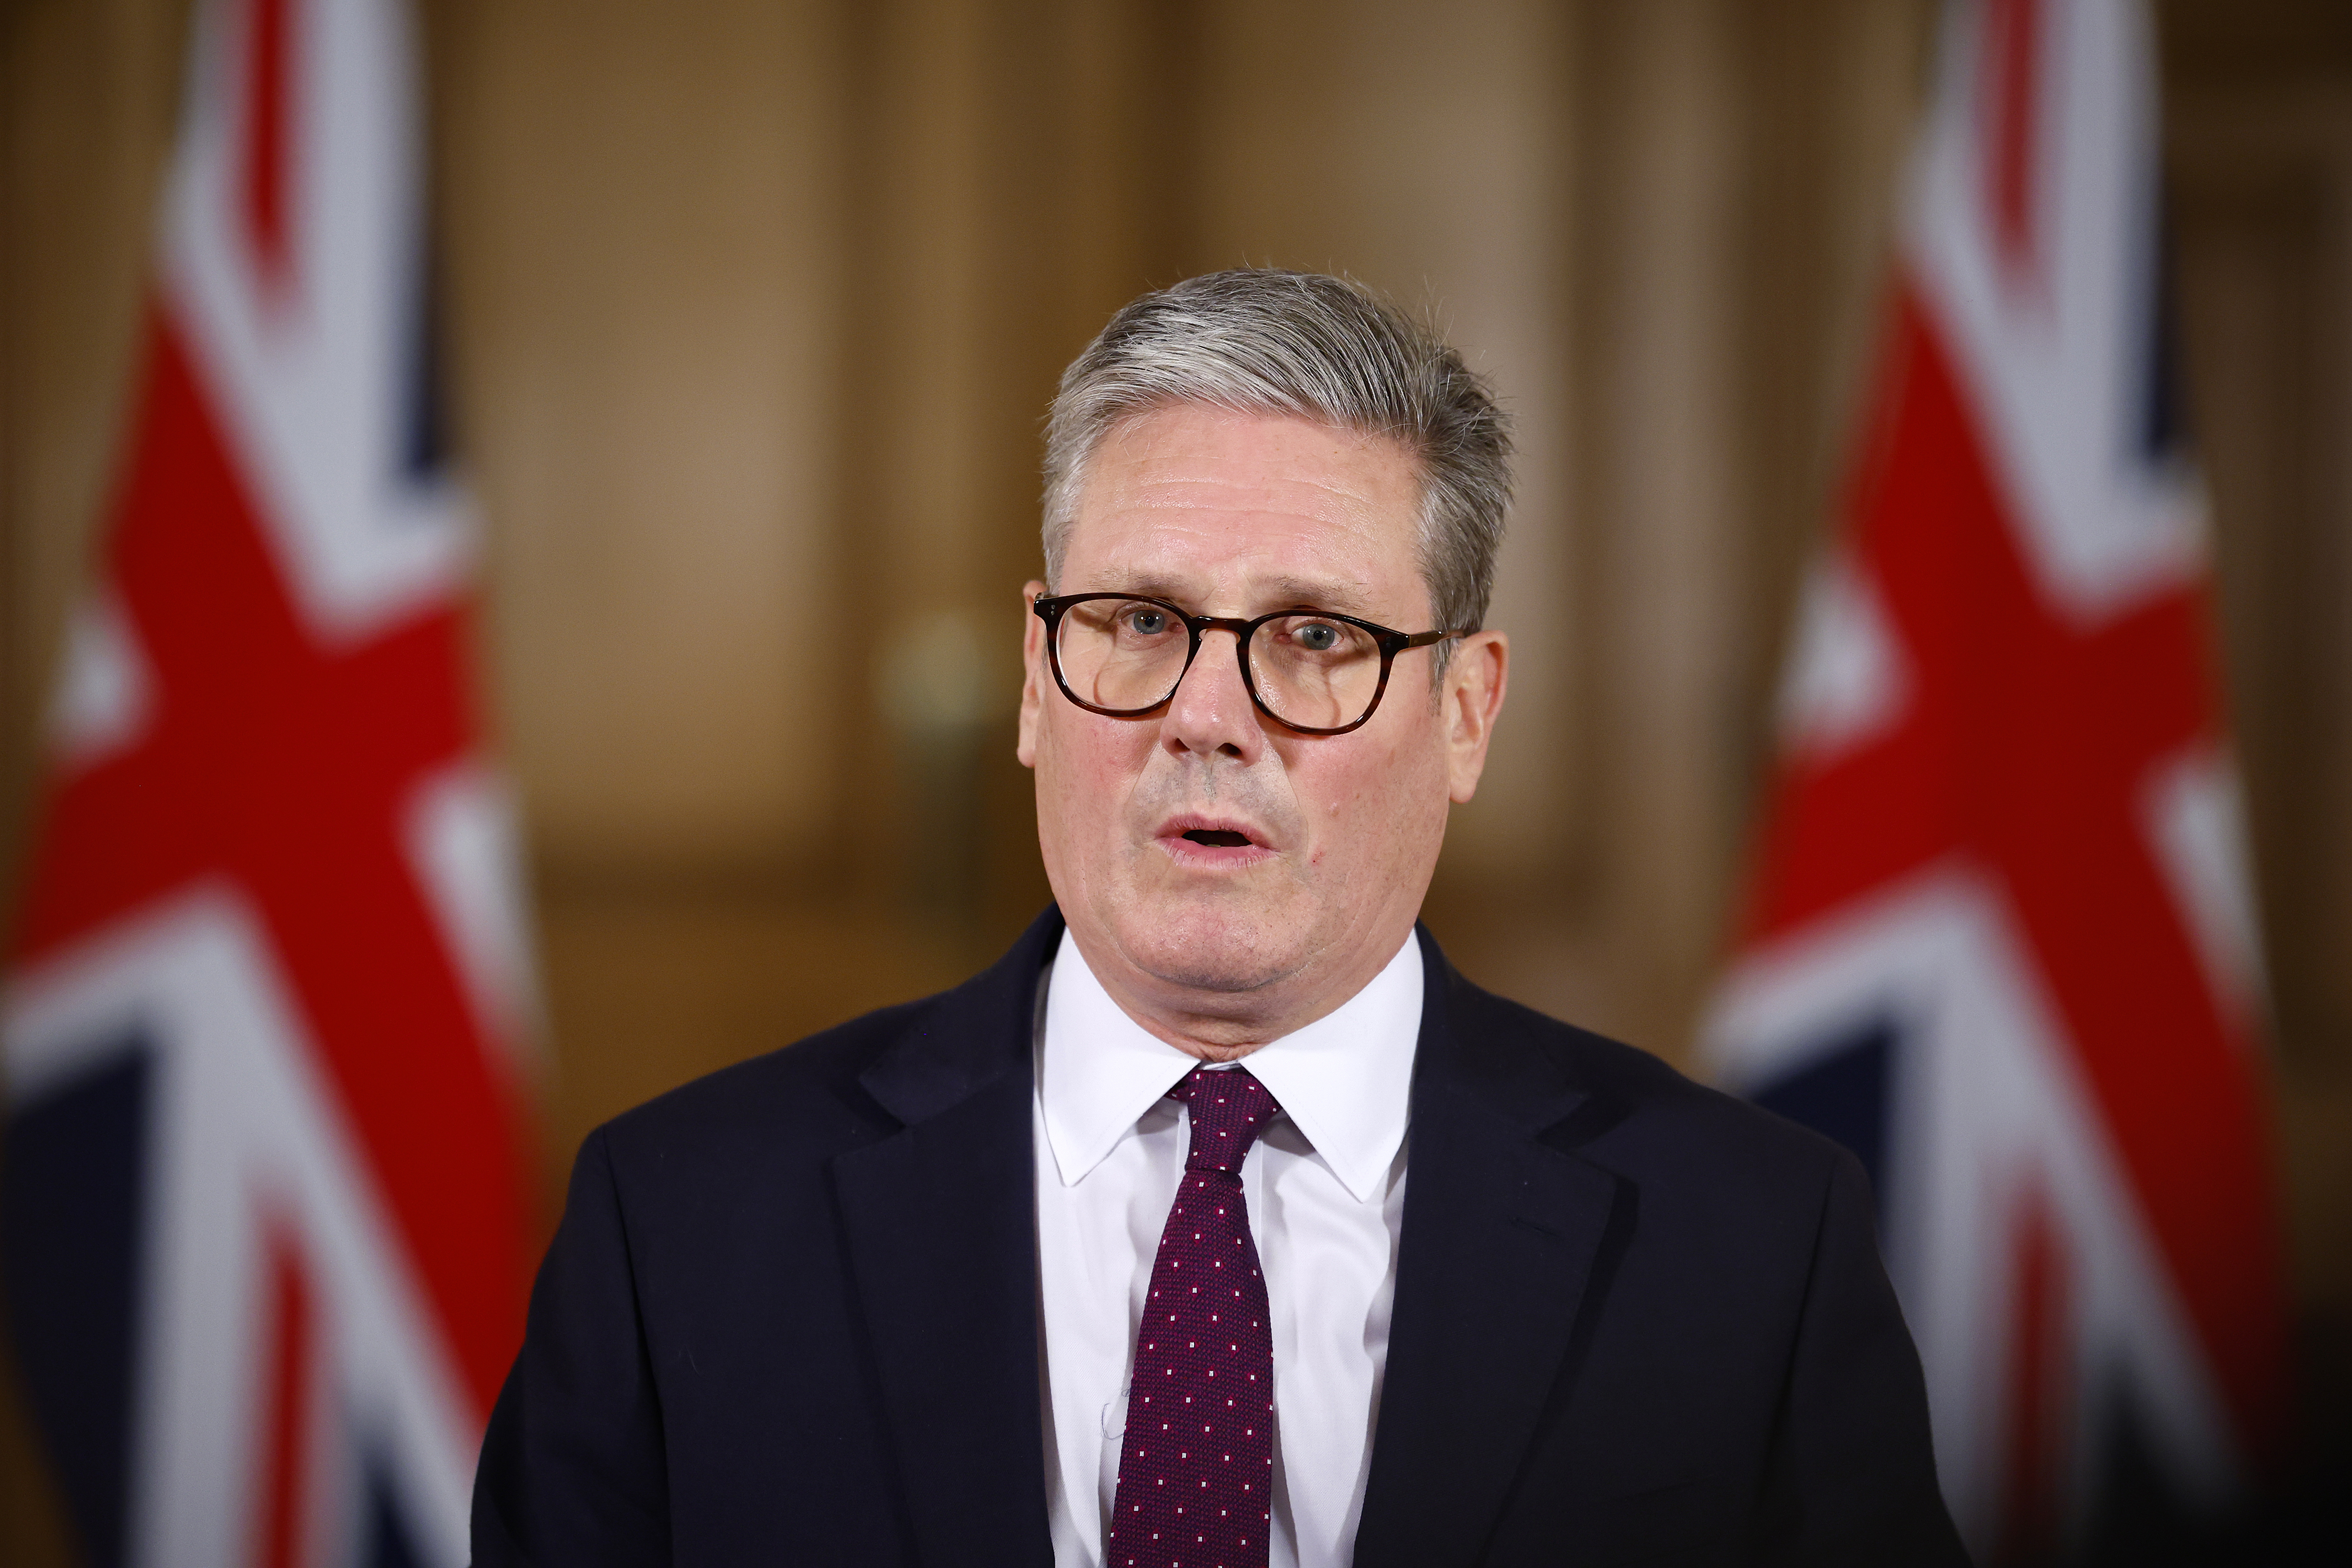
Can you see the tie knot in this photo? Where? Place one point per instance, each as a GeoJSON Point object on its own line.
{"type": "Point", "coordinates": [1229, 1109]}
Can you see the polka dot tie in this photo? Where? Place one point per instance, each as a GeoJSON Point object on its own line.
{"type": "Point", "coordinates": [1196, 1468]}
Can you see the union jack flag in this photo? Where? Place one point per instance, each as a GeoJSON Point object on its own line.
{"type": "Point", "coordinates": [2001, 942]}
{"type": "Point", "coordinates": [264, 1204]}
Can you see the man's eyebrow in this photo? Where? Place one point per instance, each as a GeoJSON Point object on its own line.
{"type": "Point", "coordinates": [1329, 594]}
{"type": "Point", "coordinates": [1146, 583]}
{"type": "Point", "coordinates": [1281, 593]}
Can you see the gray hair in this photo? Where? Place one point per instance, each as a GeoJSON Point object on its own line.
{"type": "Point", "coordinates": [1257, 341]}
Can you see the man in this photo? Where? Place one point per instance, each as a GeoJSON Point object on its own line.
{"type": "Point", "coordinates": [1221, 1222]}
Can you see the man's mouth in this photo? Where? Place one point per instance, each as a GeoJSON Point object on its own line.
{"type": "Point", "coordinates": [1211, 845]}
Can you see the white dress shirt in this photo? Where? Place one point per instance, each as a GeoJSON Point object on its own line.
{"type": "Point", "coordinates": [1325, 1186]}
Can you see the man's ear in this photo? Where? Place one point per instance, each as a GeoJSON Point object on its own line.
{"type": "Point", "coordinates": [1033, 674]}
{"type": "Point", "coordinates": [1473, 685]}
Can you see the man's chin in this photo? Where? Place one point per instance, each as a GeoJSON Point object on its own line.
{"type": "Point", "coordinates": [1211, 950]}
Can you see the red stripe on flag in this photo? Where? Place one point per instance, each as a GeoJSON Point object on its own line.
{"type": "Point", "coordinates": [290, 1400]}
{"type": "Point", "coordinates": [2041, 1388]}
{"type": "Point", "coordinates": [269, 148]}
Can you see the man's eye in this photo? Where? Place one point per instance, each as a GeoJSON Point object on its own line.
{"type": "Point", "coordinates": [1316, 637]}
{"type": "Point", "coordinates": [1148, 622]}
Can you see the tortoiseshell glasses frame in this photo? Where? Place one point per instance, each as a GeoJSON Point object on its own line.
{"type": "Point", "coordinates": [1390, 642]}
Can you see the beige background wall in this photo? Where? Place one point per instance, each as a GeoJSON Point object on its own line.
{"type": "Point", "coordinates": [754, 307]}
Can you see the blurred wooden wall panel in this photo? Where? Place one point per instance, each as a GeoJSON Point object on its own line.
{"type": "Point", "coordinates": [1661, 489]}
{"type": "Point", "coordinates": [643, 220]}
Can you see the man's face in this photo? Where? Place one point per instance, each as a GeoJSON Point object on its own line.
{"type": "Point", "coordinates": [1238, 515]}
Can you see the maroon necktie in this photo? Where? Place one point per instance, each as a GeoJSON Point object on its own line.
{"type": "Point", "coordinates": [1196, 1468]}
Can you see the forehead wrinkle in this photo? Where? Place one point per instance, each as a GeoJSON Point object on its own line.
{"type": "Point", "coordinates": [1349, 594]}
{"type": "Point", "coordinates": [1155, 489]}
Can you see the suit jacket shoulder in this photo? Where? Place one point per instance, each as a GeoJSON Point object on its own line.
{"type": "Point", "coordinates": [801, 1103]}
{"type": "Point", "coordinates": [1638, 1108]}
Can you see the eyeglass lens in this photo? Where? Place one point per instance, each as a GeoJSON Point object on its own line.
{"type": "Point", "coordinates": [1127, 655]}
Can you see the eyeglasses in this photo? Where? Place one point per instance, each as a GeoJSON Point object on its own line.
{"type": "Point", "coordinates": [1123, 656]}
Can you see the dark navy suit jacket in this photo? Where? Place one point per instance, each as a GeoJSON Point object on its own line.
{"type": "Point", "coordinates": [790, 1317]}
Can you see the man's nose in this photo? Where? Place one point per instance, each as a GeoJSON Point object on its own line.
{"type": "Point", "coordinates": [1211, 712]}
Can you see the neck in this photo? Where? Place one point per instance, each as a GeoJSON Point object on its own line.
{"type": "Point", "coordinates": [1226, 1026]}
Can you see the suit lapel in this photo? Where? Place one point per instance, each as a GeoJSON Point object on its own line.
{"type": "Point", "coordinates": [1500, 1236]}
{"type": "Point", "coordinates": [939, 1219]}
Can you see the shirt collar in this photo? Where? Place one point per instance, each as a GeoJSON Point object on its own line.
{"type": "Point", "coordinates": [1344, 1081]}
